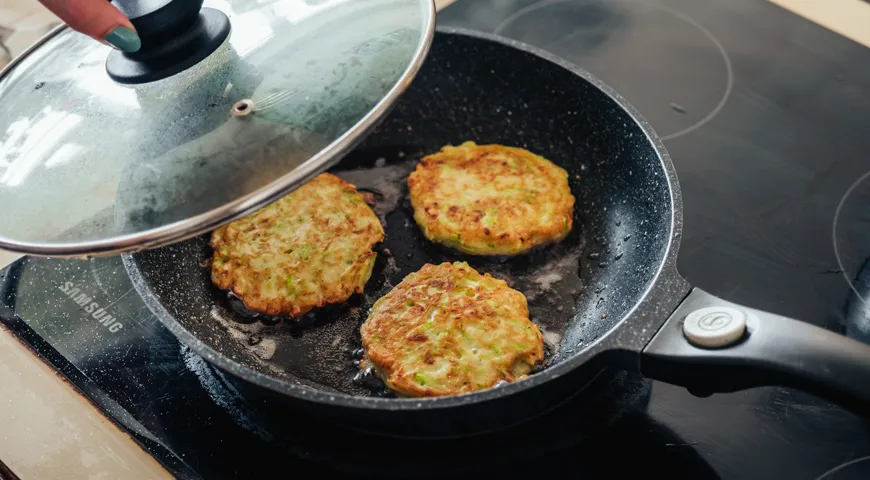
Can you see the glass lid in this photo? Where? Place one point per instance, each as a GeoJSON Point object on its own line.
{"type": "Point", "coordinates": [103, 152]}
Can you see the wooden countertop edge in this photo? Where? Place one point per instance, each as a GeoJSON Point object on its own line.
{"type": "Point", "coordinates": [849, 18]}
{"type": "Point", "coordinates": [50, 430]}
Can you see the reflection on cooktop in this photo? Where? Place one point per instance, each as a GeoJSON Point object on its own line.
{"type": "Point", "coordinates": [576, 436]}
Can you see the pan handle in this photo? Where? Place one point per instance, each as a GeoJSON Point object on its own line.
{"type": "Point", "coordinates": [710, 345]}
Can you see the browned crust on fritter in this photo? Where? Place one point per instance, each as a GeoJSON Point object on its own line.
{"type": "Point", "coordinates": [311, 248]}
{"type": "Point", "coordinates": [491, 199]}
{"type": "Point", "coordinates": [447, 330]}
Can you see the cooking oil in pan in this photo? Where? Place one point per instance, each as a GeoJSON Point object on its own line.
{"type": "Point", "coordinates": [323, 348]}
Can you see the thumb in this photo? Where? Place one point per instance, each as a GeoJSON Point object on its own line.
{"type": "Point", "coordinates": [98, 19]}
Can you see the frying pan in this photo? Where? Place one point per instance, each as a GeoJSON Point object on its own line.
{"type": "Point", "coordinates": [608, 295]}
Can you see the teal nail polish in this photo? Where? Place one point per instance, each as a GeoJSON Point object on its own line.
{"type": "Point", "coordinates": [124, 39]}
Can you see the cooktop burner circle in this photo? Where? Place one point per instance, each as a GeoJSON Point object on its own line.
{"type": "Point", "coordinates": [851, 238]}
{"type": "Point", "coordinates": [668, 65]}
{"type": "Point", "coordinates": [856, 468]}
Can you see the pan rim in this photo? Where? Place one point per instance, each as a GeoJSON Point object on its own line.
{"type": "Point", "coordinates": [577, 360]}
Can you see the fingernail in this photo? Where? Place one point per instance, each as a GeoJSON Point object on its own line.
{"type": "Point", "coordinates": [124, 39]}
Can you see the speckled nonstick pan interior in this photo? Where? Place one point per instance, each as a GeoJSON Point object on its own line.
{"type": "Point", "coordinates": [599, 296]}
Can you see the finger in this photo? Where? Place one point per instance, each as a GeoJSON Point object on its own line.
{"type": "Point", "coordinates": [98, 19]}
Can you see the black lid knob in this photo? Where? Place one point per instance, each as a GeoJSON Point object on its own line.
{"type": "Point", "coordinates": [175, 34]}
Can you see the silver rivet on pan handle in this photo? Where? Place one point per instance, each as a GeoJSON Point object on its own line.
{"type": "Point", "coordinates": [714, 327]}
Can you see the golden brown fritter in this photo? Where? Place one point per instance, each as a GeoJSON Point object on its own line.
{"type": "Point", "coordinates": [310, 248]}
{"type": "Point", "coordinates": [446, 330]}
{"type": "Point", "coordinates": [491, 199]}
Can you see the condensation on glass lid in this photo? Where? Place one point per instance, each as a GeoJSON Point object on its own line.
{"type": "Point", "coordinates": [90, 167]}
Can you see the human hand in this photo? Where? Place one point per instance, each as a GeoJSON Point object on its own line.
{"type": "Point", "coordinates": [98, 19]}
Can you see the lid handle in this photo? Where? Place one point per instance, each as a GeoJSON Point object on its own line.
{"type": "Point", "coordinates": [175, 34]}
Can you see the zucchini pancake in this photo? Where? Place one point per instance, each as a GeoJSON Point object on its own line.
{"type": "Point", "coordinates": [446, 330]}
{"type": "Point", "coordinates": [311, 248]}
{"type": "Point", "coordinates": [491, 199]}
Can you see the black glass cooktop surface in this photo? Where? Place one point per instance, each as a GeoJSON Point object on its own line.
{"type": "Point", "coordinates": [766, 118]}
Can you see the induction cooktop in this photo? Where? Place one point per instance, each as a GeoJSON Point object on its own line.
{"type": "Point", "coordinates": [765, 115]}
